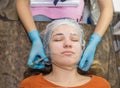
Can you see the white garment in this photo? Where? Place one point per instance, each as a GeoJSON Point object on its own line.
{"type": "Point", "coordinates": [50, 3]}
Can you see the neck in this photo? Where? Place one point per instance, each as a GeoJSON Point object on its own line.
{"type": "Point", "coordinates": [66, 77]}
{"type": "Point", "coordinates": [64, 74]}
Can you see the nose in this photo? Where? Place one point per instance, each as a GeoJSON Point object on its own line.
{"type": "Point", "coordinates": [67, 43]}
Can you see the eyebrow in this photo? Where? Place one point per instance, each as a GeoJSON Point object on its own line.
{"type": "Point", "coordinates": [57, 34]}
{"type": "Point", "coordinates": [74, 34]}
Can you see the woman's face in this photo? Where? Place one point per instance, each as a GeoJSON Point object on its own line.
{"type": "Point", "coordinates": [65, 46]}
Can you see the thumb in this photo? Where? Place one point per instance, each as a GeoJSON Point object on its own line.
{"type": "Point", "coordinates": [31, 59]}
{"type": "Point", "coordinates": [86, 66]}
{"type": "Point", "coordinates": [42, 55]}
{"type": "Point", "coordinates": [82, 61]}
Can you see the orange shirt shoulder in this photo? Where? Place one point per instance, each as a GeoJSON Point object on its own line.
{"type": "Point", "coordinates": [38, 81]}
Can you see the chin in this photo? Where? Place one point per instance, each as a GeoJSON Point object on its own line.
{"type": "Point", "coordinates": [69, 63]}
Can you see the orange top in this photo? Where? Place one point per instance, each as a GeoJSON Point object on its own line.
{"type": "Point", "coordinates": [38, 81]}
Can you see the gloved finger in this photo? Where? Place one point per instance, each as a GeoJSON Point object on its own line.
{"type": "Point", "coordinates": [38, 66]}
{"type": "Point", "coordinates": [83, 60]}
{"type": "Point", "coordinates": [86, 66]}
{"type": "Point", "coordinates": [42, 55]}
{"type": "Point", "coordinates": [31, 58]}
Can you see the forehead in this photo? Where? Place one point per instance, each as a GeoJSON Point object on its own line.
{"type": "Point", "coordinates": [65, 29]}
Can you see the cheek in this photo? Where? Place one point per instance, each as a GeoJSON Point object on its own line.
{"type": "Point", "coordinates": [55, 48]}
{"type": "Point", "coordinates": [78, 50]}
{"type": "Point", "coordinates": [78, 47]}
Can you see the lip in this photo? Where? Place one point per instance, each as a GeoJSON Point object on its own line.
{"type": "Point", "coordinates": [67, 53]}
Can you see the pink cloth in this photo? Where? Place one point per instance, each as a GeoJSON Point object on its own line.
{"type": "Point", "coordinates": [60, 12]}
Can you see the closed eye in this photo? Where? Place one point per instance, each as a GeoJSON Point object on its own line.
{"type": "Point", "coordinates": [75, 38]}
{"type": "Point", "coordinates": [58, 38]}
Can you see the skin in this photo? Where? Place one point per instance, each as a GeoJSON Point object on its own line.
{"type": "Point", "coordinates": [65, 48]}
{"type": "Point", "coordinates": [68, 38]}
{"type": "Point", "coordinates": [106, 14]}
{"type": "Point", "coordinates": [23, 9]}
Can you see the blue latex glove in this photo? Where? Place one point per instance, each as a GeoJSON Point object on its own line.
{"type": "Point", "coordinates": [87, 57]}
{"type": "Point", "coordinates": [37, 51]}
